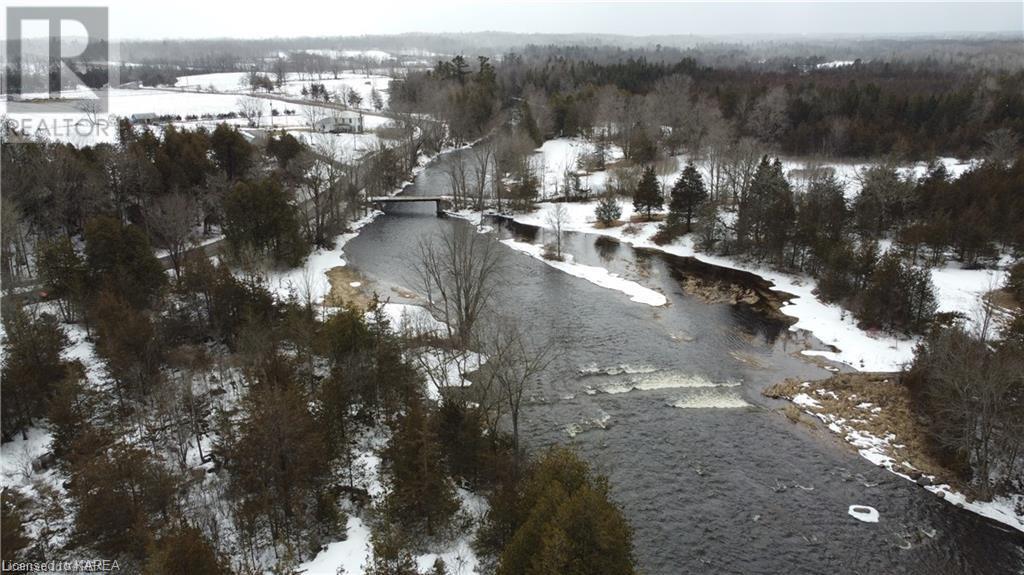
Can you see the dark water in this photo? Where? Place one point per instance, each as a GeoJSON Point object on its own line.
{"type": "Point", "coordinates": [711, 480]}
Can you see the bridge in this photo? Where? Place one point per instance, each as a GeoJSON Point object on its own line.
{"type": "Point", "coordinates": [441, 203]}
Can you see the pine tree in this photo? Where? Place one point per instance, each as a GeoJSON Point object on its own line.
{"type": "Point", "coordinates": [648, 198]}
{"type": "Point", "coordinates": [259, 217]}
{"type": "Point", "coordinates": [32, 368]}
{"type": "Point", "coordinates": [688, 193]}
{"type": "Point", "coordinates": [530, 124]}
{"type": "Point", "coordinates": [422, 496]}
{"type": "Point", "coordinates": [184, 551]}
{"type": "Point", "coordinates": [608, 210]}
{"type": "Point", "coordinates": [13, 537]}
{"type": "Point", "coordinates": [122, 495]}
{"type": "Point", "coordinates": [391, 555]}
{"type": "Point", "coordinates": [232, 153]}
{"type": "Point", "coordinates": [568, 524]}
{"type": "Point", "coordinates": [120, 259]}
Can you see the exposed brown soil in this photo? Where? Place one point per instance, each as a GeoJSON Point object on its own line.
{"type": "Point", "coordinates": [1003, 299]}
{"type": "Point", "coordinates": [890, 413]}
{"type": "Point", "coordinates": [343, 292]}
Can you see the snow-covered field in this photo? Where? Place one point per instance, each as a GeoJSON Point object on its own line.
{"type": "Point", "coordinates": [72, 125]}
{"type": "Point", "coordinates": [341, 147]}
{"type": "Point", "coordinates": [557, 156]}
{"type": "Point", "coordinates": [292, 87]}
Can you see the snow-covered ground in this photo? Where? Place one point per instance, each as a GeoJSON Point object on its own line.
{"type": "Point", "coordinates": [557, 156]}
{"type": "Point", "coordinates": [341, 147]}
{"type": "Point", "coordinates": [377, 55]}
{"type": "Point", "coordinates": [596, 275]}
{"type": "Point", "coordinates": [67, 122]}
{"type": "Point", "coordinates": [238, 82]}
{"type": "Point", "coordinates": [849, 173]}
{"type": "Point", "coordinates": [353, 555]}
{"type": "Point", "coordinates": [309, 281]}
{"type": "Point", "coordinates": [17, 455]}
{"type": "Point", "coordinates": [956, 290]}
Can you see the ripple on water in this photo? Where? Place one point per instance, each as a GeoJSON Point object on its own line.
{"type": "Point", "coordinates": [711, 399]}
{"type": "Point", "coordinates": [654, 380]}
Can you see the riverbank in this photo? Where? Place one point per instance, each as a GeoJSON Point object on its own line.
{"type": "Point", "coordinates": [956, 290]}
{"type": "Point", "coordinates": [872, 412]}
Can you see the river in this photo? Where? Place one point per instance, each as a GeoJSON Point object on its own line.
{"type": "Point", "coordinates": [666, 401]}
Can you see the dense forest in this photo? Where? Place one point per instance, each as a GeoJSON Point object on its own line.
{"type": "Point", "coordinates": [907, 111]}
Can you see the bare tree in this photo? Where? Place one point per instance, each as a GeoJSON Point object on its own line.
{"type": "Point", "coordinates": [458, 272]}
{"type": "Point", "coordinates": [172, 221]}
{"type": "Point", "coordinates": [319, 190]}
{"type": "Point", "coordinates": [280, 72]}
{"type": "Point", "coordinates": [556, 218]}
{"type": "Point", "coordinates": [768, 117]}
{"type": "Point", "coordinates": [515, 362]}
{"type": "Point", "coordinates": [483, 161]}
{"type": "Point", "coordinates": [972, 391]}
{"type": "Point", "coordinates": [251, 109]}
{"type": "Point", "coordinates": [457, 170]}
{"type": "Point", "coordinates": [314, 115]}
{"type": "Point", "coordinates": [739, 166]}
{"type": "Point", "coordinates": [1001, 146]}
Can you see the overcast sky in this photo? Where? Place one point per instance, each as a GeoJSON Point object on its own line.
{"type": "Point", "coordinates": [150, 19]}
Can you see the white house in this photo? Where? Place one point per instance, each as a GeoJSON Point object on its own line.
{"type": "Point", "coordinates": [344, 121]}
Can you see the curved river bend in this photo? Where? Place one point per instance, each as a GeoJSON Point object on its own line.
{"type": "Point", "coordinates": [666, 401]}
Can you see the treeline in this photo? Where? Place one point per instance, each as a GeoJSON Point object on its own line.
{"type": "Point", "coordinates": [908, 110]}
{"type": "Point", "coordinates": [272, 199]}
{"type": "Point", "coordinates": [816, 230]}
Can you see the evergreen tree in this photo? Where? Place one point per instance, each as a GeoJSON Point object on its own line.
{"type": "Point", "coordinates": [232, 153]}
{"type": "Point", "coordinates": [391, 555]}
{"type": "Point", "coordinates": [284, 149]}
{"type": "Point", "coordinates": [422, 496]}
{"type": "Point", "coordinates": [568, 524]}
{"type": "Point", "coordinates": [608, 210]}
{"type": "Point", "coordinates": [688, 193]}
{"type": "Point", "coordinates": [259, 217]}
{"type": "Point", "coordinates": [122, 494]}
{"type": "Point", "coordinates": [185, 551]}
{"type": "Point", "coordinates": [530, 124]}
{"type": "Point", "coordinates": [120, 259]}
{"type": "Point", "coordinates": [32, 368]}
{"type": "Point", "coordinates": [275, 453]}
{"type": "Point", "coordinates": [12, 525]}
{"type": "Point", "coordinates": [62, 270]}
{"type": "Point", "coordinates": [647, 197]}
{"type": "Point", "coordinates": [899, 297]}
